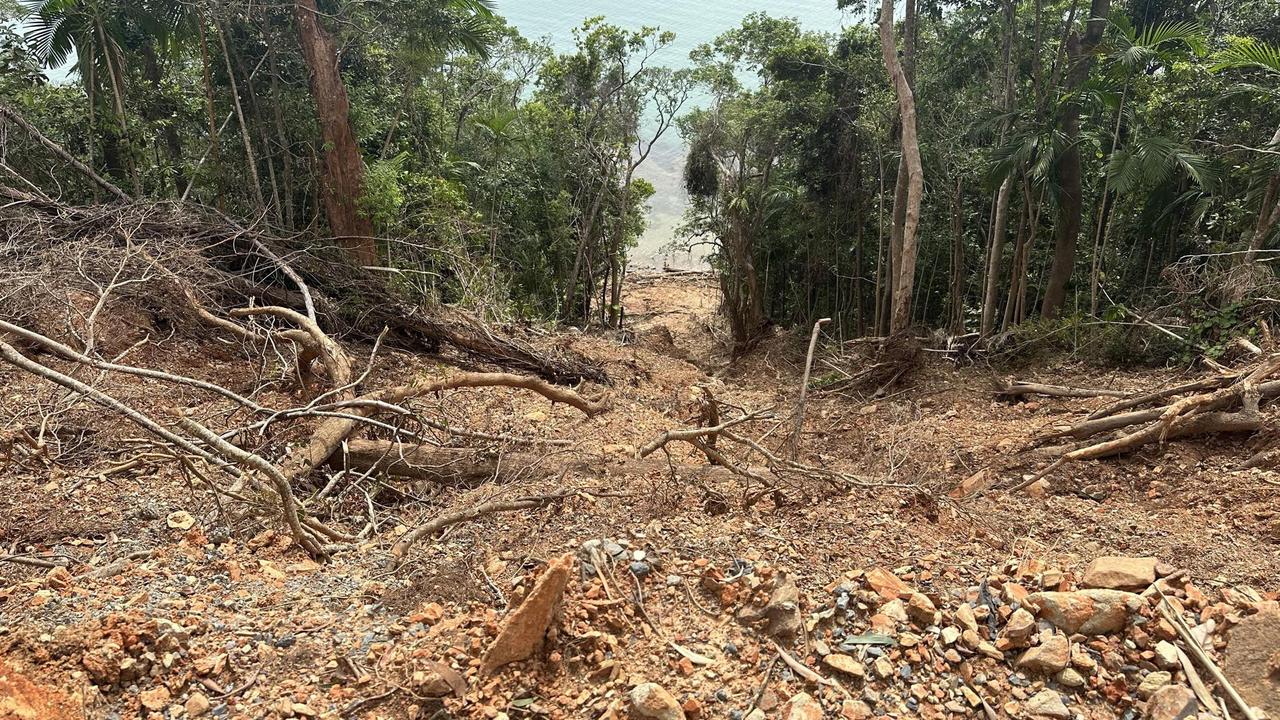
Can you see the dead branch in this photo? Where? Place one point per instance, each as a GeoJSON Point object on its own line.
{"type": "Point", "coordinates": [525, 503]}
{"type": "Point", "coordinates": [1249, 419]}
{"type": "Point", "coordinates": [16, 118]}
{"type": "Point", "coordinates": [699, 432]}
{"type": "Point", "coordinates": [1140, 400]}
{"type": "Point", "coordinates": [794, 443]}
{"type": "Point", "coordinates": [1010, 388]}
{"type": "Point", "coordinates": [288, 503]}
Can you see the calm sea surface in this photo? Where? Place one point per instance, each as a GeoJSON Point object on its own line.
{"type": "Point", "coordinates": [694, 22]}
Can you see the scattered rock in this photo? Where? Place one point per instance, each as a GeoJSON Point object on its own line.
{"type": "Point", "coordinates": [1089, 612]}
{"type": "Point", "coordinates": [1166, 655]}
{"type": "Point", "coordinates": [886, 584]}
{"type": "Point", "coordinates": [155, 699]}
{"type": "Point", "coordinates": [1051, 656]}
{"type": "Point", "coordinates": [845, 664]}
{"type": "Point", "coordinates": [802, 707]}
{"type": "Point", "coordinates": [1172, 702]}
{"type": "Point", "coordinates": [922, 610]}
{"type": "Point", "coordinates": [1253, 660]}
{"type": "Point", "coordinates": [197, 705]}
{"type": "Point", "coordinates": [1153, 682]}
{"type": "Point", "coordinates": [439, 680]}
{"type": "Point", "coordinates": [1120, 573]}
{"type": "Point", "coordinates": [855, 710]}
{"type": "Point", "coordinates": [1047, 704]}
{"type": "Point", "coordinates": [651, 701]}
{"type": "Point", "coordinates": [1070, 677]}
{"type": "Point", "coordinates": [524, 629]}
{"type": "Point", "coordinates": [1021, 626]}
{"type": "Point", "coordinates": [783, 610]}
{"type": "Point", "coordinates": [180, 520]}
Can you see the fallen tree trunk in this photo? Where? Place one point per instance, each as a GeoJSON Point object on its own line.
{"type": "Point", "coordinates": [1089, 428]}
{"type": "Point", "coordinates": [449, 465]}
{"type": "Point", "coordinates": [1011, 388]}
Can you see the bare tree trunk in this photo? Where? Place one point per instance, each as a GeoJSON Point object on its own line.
{"type": "Point", "coordinates": [250, 161]}
{"type": "Point", "coordinates": [1016, 279]}
{"type": "Point", "coordinates": [343, 181]}
{"type": "Point", "coordinates": [1000, 221]}
{"type": "Point", "coordinates": [995, 253]}
{"type": "Point", "coordinates": [214, 141]}
{"type": "Point", "coordinates": [1067, 229]}
{"type": "Point", "coordinates": [282, 137]}
{"type": "Point", "coordinates": [900, 316]}
{"type": "Point", "coordinates": [957, 259]}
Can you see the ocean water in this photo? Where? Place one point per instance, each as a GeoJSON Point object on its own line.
{"type": "Point", "coordinates": [694, 23]}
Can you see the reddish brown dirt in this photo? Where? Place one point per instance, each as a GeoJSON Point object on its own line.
{"type": "Point", "coordinates": [21, 699]}
{"type": "Point", "coordinates": [268, 626]}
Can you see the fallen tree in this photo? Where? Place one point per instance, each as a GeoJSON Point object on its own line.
{"type": "Point", "coordinates": [1232, 406]}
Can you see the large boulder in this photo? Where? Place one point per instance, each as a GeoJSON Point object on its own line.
{"type": "Point", "coordinates": [1091, 612]}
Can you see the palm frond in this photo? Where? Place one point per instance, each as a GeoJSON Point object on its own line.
{"type": "Point", "coordinates": [1248, 53]}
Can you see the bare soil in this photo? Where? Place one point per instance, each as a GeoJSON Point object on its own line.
{"type": "Point", "coordinates": [266, 632]}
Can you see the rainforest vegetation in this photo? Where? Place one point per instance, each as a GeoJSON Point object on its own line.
{"type": "Point", "coordinates": [974, 167]}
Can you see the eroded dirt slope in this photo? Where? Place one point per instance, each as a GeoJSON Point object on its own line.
{"type": "Point", "coordinates": [172, 606]}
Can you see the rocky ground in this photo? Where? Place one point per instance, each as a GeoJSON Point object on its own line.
{"type": "Point", "coordinates": [1119, 589]}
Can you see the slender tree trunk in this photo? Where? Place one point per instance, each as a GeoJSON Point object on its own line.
{"type": "Point", "coordinates": [1104, 208]}
{"type": "Point", "coordinates": [250, 160]}
{"type": "Point", "coordinates": [282, 137]}
{"type": "Point", "coordinates": [1000, 221]}
{"type": "Point", "coordinates": [214, 140]}
{"type": "Point", "coordinates": [1016, 279]}
{"type": "Point", "coordinates": [1067, 229]}
{"type": "Point", "coordinates": [990, 294]}
{"type": "Point", "coordinates": [584, 238]}
{"type": "Point", "coordinates": [343, 181]}
{"type": "Point", "coordinates": [900, 317]}
{"type": "Point", "coordinates": [956, 305]}
{"type": "Point", "coordinates": [879, 316]}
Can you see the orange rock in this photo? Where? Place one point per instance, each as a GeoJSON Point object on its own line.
{"type": "Point", "coordinates": [886, 584]}
{"type": "Point", "coordinates": [524, 630]}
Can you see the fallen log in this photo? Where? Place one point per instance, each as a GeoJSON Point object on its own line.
{"type": "Point", "coordinates": [452, 465]}
{"type": "Point", "coordinates": [1011, 388]}
{"type": "Point", "coordinates": [1089, 428]}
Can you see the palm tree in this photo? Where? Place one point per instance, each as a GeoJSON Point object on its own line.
{"type": "Point", "coordinates": [88, 31]}
{"type": "Point", "coordinates": [1251, 54]}
{"type": "Point", "coordinates": [1131, 52]}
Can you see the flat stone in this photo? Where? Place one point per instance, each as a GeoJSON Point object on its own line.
{"type": "Point", "coordinates": [855, 710]}
{"type": "Point", "coordinates": [1166, 655]}
{"type": "Point", "coordinates": [802, 707]}
{"type": "Point", "coordinates": [1253, 660]}
{"type": "Point", "coordinates": [1049, 657]}
{"type": "Point", "coordinates": [155, 699]}
{"type": "Point", "coordinates": [197, 705]}
{"type": "Point", "coordinates": [651, 701]}
{"type": "Point", "coordinates": [886, 584]}
{"type": "Point", "coordinates": [845, 664]}
{"type": "Point", "coordinates": [1172, 702]}
{"type": "Point", "coordinates": [1120, 573]}
{"type": "Point", "coordinates": [1090, 612]}
{"type": "Point", "coordinates": [1047, 704]}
